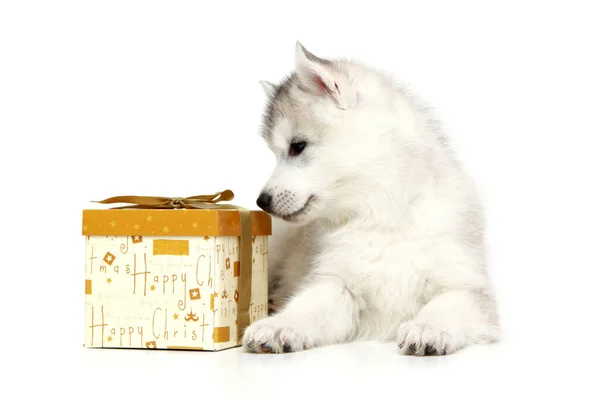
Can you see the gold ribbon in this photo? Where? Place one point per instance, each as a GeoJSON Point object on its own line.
{"type": "Point", "coordinates": [200, 201]}
{"type": "Point", "coordinates": [208, 202]}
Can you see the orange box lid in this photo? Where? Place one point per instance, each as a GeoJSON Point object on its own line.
{"type": "Point", "coordinates": [171, 222]}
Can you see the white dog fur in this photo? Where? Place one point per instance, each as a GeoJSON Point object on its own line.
{"type": "Point", "coordinates": [378, 230]}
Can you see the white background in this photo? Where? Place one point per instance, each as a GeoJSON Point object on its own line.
{"type": "Point", "coordinates": [162, 98]}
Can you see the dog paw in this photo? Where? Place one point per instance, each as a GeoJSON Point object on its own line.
{"type": "Point", "coordinates": [270, 335]}
{"type": "Point", "coordinates": [423, 340]}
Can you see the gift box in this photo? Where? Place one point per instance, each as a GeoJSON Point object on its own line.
{"type": "Point", "coordinates": [174, 273]}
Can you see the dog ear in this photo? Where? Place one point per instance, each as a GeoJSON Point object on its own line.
{"type": "Point", "coordinates": [268, 87]}
{"type": "Point", "coordinates": [316, 77]}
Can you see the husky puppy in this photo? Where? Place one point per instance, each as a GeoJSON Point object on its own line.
{"type": "Point", "coordinates": [378, 230]}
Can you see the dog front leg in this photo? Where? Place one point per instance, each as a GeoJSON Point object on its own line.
{"type": "Point", "coordinates": [449, 322]}
{"type": "Point", "coordinates": [323, 312]}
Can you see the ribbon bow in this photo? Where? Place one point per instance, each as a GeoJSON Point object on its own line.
{"type": "Point", "coordinates": [200, 201]}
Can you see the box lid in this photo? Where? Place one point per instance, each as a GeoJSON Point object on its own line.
{"type": "Point", "coordinates": [171, 222]}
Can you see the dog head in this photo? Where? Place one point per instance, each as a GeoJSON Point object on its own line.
{"type": "Point", "coordinates": [313, 126]}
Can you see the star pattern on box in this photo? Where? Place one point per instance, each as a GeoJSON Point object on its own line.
{"type": "Point", "coordinates": [227, 263]}
{"type": "Point", "coordinates": [136, 227]}
{"type": "Point", "coordinates": [109, 258]}
{"type": "Point", "coordinates": [166, 229]}
{"type": "Point", "coordinates": [151, 345]}
{"type": "Point", "coordinates": [108, 280]}
{"type": "Point", "coordinates": [152, 288]}
{"type": "Point", "coordinates": [206, 238]}
{"type": "Point", "coordinates": [136, 239]}
{"type": "Point", "coordinates": [175, 316]}
{"type": "Point", "coordinates": [195, 294]}
{"type": "Point", "coordinates": [113, 223]}
{"type": "Point", "coordinates": [109, 339]}
{"type": "Point", "coordinates": [149, 218]}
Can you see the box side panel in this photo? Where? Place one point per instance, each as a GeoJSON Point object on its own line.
{"type": "Point", "coordinates": [227, 269]}
{"type": "Point", "coordinates": [149, 292]}
{"type": "Point", "coordinates": [90, 257]}
{"type": "Point", "coordinates": [226, 324]}
{"type": "Point", "coordinates": [260, 279]}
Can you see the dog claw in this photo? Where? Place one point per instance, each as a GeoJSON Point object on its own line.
{"type": "Point", "coordinates": [265, 348]}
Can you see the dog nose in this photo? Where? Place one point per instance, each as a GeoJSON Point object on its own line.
{"type": "Point", "coordinates": [264, 201]}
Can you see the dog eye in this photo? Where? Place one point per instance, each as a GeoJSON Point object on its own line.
{"type": "Point", "coordinates": [297, 148]}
